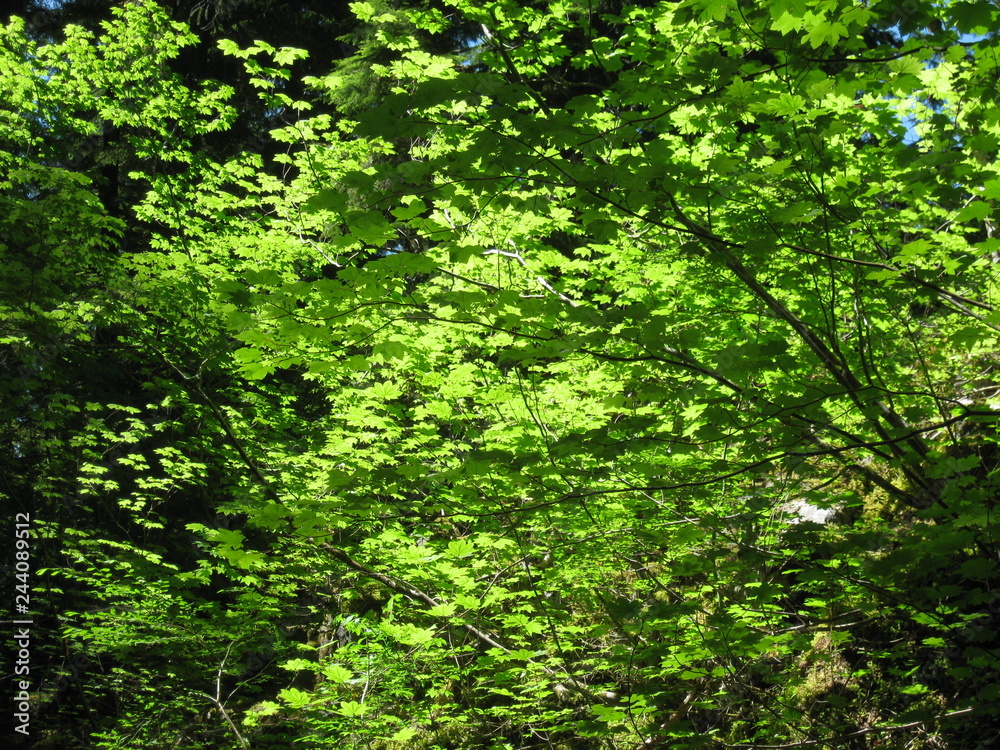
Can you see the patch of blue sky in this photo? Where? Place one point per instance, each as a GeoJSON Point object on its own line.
{"type": "Point", "coordinates": [909, 120]}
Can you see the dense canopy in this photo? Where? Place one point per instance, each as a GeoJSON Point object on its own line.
{"type": "Point", "coordinates": [557, 375]}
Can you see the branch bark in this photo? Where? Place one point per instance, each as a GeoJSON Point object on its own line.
{"type": "Point", "coordinates": [911, 450]}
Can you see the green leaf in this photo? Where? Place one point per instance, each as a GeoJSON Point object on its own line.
{"type": "Point", "coordinates": [336, 673]}
{"type": "Point", "coordinates": [326, 200]}
{"type": "Point", "coordinates": [972, 17]}
{"type": "Point", "coordinates": [295, 698]}
{"type": "Point", "coordinates": [915, 249]}
{"type": "Point", "coordinates": [460, 548]}
{"type": "Point", "coordinates": [351, 709]}
{"type": "Point", "coordinates": [403, 735]}
{"type": "Point", "coordinates": [446, 609]}
{"type": "Point", "coordinates": [977, 210]}
{"type": "Point", "coordinates": [978, 568]}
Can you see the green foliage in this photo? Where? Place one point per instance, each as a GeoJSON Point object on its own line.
{"type": "Point", "coordinates": [503, 416]}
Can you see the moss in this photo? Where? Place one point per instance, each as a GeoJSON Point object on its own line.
{"type": "Point", "coordinates": [824, 676]}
